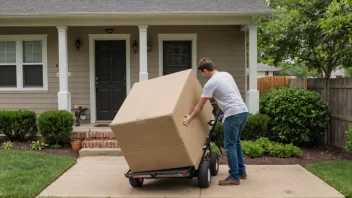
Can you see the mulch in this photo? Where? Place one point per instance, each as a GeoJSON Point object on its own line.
{"type": "Point", "coordinates": [309, 154]}
{"type": "Point", "coordinates": [66, 150]}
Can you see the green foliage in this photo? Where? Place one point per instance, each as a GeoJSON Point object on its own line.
{"type": "Point", "coordinates": [7, 145]}
{"type": "Point", "coordinates": [316, 33]}
{"type": "Point", "coordinates": [218, 135]}
{"type": "Point", "coordinates": [38, 145]}
{"type": "Point", "coordinates": [349, 139]}
{"type": "Point", "coordinates": [56, 126]}
{"type": "Point", "coordinates": [296, 115]}
{"type": "Point", "coordinates": [215, 148]}
{"type": "Point", "coordinates": [252, 149]}
{"type": "Point", "coordinates": [17, 124]}
{"type": "Point", "coordinates": [256, 127]}
{"type": "Point", "coordinates": [264, 145]}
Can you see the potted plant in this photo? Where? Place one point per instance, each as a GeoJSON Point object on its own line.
{"type": "Point", "coordinates": [76, 144]}
{"type": "Point", "coordinates": [80, 113]}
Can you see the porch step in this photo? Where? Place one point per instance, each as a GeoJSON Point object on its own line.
{"type": "Point", "coordinates": [100, 143]}
{"type": "Point", "coordinates": [93, 134]}
{"type": "Point", "coordinates": [85, 152]}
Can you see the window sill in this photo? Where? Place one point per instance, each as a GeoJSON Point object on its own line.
{"type": "Point", "coordinates": [23, 90]}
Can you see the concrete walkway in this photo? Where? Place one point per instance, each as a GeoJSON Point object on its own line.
{"type": "Point", "coordinates": [103, 177]}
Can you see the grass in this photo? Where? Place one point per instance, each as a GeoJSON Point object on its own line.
{"type": "Point", "coordinates": [337, 174]}
{"type": "Point", "coordinates": [27, 173]}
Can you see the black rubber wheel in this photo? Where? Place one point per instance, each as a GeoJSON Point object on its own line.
{"type": "Point", "coordinates": [214, 163]}
{"type": "Point", "coordinates": [136, 182]}
{"type": "Point", "coordinates": [204, 175]}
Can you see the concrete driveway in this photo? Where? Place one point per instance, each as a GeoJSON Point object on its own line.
{"type": "Point", "coordinates": [104, 177]}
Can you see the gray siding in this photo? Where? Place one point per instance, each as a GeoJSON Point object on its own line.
{"type": "Point", "coordinates": [223, 44]}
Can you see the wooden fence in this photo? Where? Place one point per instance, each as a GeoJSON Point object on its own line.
{"type": "Point", "coordinates": [270, 82]}
{"type": "Point", "coordinates": [338, 93]}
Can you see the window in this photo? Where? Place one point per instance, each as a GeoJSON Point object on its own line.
{"type": "Point", "coordinates": [177, 56]}
{"type": "Point", "coordinates": [23, 63]}
{"type": "Point", "coordinates": [177, 52]}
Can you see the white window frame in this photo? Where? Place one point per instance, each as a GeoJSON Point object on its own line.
{"type": "Point", "coordinates": [178, 37]}
{"type": "Point", "coordinates": [19, 61]}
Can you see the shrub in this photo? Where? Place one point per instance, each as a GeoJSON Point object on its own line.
{"type": "Point", "coordinates": [218, 134]}
{"type": "Point", "coordinates": [252, 149]}
{"type": "Point", "coordinates": [215, 148]}
{"type": "Point", "coordinates": [56, 126]}
{"type": "Point", "coordinates": [296, 115]}
{"type": "Point", "coordinates": [256, 127]}
{"type": "Point", "coordinates": [264, 145]}
{"type": "Point", "coordinates": [17, 124]}
{"type": "Point", "coordinates": [38, 145]}
{"type": "Point", "coordinates": [7, 145]}
{"type": "Point", "coordinates": [349, 139]}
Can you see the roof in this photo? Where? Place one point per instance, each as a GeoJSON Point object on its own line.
{"type": "Point", "coordinates": [80, 7]}
{"type": "Point", "coordinates": [263, 67]}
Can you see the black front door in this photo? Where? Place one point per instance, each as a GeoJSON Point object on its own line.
{"type": "Point", "coordinates": [110, 71]}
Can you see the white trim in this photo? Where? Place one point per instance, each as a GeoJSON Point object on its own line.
{"type": "Point", "coordinates": [92, 38]}
{"type": "Point", "coordinates": [122, 20]}
{"type": "Point", "coordinates": [178, 37]}
{"type": "Point", "coordinates": [19, 62]}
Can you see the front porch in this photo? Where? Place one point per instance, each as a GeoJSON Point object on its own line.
{"type": "Point", "coordinates": [96, 62]}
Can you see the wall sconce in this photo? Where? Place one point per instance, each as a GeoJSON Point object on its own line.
{"type": "Point", "coordinates": [78, 43]}
{"type": "Point", "coordinates": [135, 46]}
{"type": "Point", "coordinates": [149, 44]}
{"type": "Point", "coordinates": [109, 30]}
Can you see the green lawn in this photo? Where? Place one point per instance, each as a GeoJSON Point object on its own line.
{"type": "Point", "coordinates": [337, 174]}
{"type": "Point", "coordinates": [27, 173]}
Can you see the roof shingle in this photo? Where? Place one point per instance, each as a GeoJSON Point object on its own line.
{"type": "Point", "coordinates": [39, 7]}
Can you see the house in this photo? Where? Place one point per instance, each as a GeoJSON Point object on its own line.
{"type": "Point", "coordinates": [58, 54]}
{"type": "Point", "coordinates": [264, 70]}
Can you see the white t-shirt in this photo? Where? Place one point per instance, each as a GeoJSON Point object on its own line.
{"type": "Point", "coordinates": [223, 88]}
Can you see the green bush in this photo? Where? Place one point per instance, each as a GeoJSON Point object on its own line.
{"type": "Point", "coordinates": [56, 126]}
{"type": "Point", "coordinates": [218, 134]}
{"type": "Point", "coordinates": [349, 139]}
{"type": "Point", "coordinates": [18, 123]}
{"type": "Point", "coordinates": [252, 149]}
{"type": "Point", "coordinates": [264, 145]}
{"type": "Point", "coordinates": [215, 148]}
{"type": "Point", "coordinates": [296, 115]}
{"type": "Point", "coordinates": [256, 127]}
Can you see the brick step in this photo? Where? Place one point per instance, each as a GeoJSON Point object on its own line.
{"type": "Point", "coordinates": [93, 135]}
{"type": "Point", "coordinates": [100, 143]}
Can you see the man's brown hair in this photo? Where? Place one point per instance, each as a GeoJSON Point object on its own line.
{"type": "Point", "coordinates": [206, 63]}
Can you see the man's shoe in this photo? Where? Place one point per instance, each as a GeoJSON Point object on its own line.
{"type": "Point", "coordinates": [243, 176]}
{"type": "Point", "coordinates": [228, 181]}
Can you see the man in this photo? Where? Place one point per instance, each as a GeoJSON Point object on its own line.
{"type": "Point", "coordinates": [223, 88]}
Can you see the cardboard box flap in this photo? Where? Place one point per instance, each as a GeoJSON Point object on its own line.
{"type": "Point", "coordinates": [153, 98]}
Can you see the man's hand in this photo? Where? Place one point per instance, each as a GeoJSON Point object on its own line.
{"type": "Point", "coordinates": [195, 111]}
{"type": "Point", "coordinates": [187, 120]}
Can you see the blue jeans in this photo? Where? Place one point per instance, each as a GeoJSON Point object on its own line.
{"type": "Point", "coordinates": [233, 127]}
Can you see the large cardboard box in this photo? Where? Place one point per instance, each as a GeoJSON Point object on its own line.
{"type": "Point", "coordinates": [149, 125]}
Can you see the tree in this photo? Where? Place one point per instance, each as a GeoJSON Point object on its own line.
{"type": "Point", "coordinates": [317, 33]}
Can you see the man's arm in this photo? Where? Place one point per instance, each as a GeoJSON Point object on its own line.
{"type": "Point", "coordinates": [195, 110]}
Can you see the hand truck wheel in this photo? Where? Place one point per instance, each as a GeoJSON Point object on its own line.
{"type": "Point", "coordinates": [204, 175]}
{"type": "Point", "coordinates": [136, 182]}
{"type": "Point", "coordinates": [214, 163]}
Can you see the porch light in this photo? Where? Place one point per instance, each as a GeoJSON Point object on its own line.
{"type": "Point", "coordinates": [135, 46]}
{"type": "Point", "coordinates": [78, 43]}
{"type": "Point", "coordinates": [109, 30]}
{"type": "Point", "coordinates": [149, 46]}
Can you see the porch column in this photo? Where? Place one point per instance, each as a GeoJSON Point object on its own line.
{"type": "Point", "coordinates": [253, 93]}
{"type": "Point", "coordinates": [143, 64]}
{"type": "Point", "coordinates": [64, 97]}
